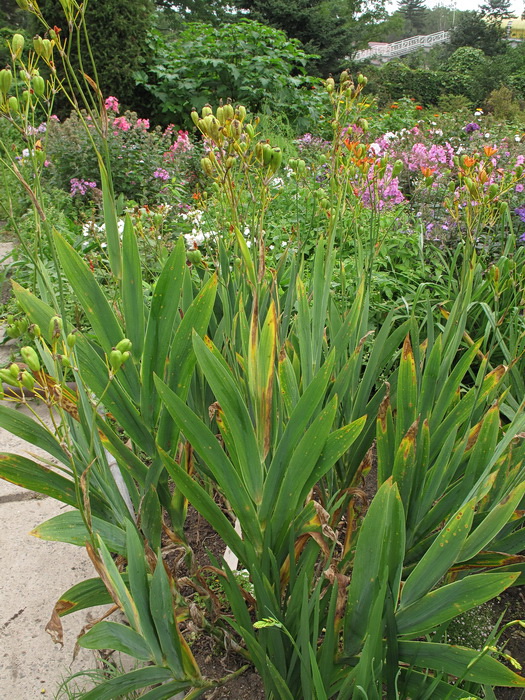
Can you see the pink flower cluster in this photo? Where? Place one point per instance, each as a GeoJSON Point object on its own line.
{"type": "Point", "coordinates": [79, 186]}
{"type": "Point", "coordinates": [181, 145]}
{"type": "Point", "coordinates": [423, 157]}
{"type": "Point", "coordinates": [111, 104]}
{"type": "Point", "coordinates": [122, 124]}
{"type": "Point", "coordinates": [381, 193]}
{"type": "Point", "coordinates": [161, 174]}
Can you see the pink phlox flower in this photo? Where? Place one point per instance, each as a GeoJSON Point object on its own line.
{"type": "Point", "coordinates": [161, 174]}
{"type": "Point", "coordinates": [142, 124]}
{"type": "Point", "coordinates": [111, 104]}
{"type": "Point", "coordinates": [79, 186]}
{"type": "Point", "coordinates": [122, 123]}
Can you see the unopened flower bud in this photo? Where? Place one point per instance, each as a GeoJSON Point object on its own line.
{"type": "Point", "coordinates": [30, 358]}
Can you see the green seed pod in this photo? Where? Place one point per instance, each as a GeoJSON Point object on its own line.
{"type": "Point", "coordinates": [230, 162]}
{"type": "Point", "coordinates": [194, 256]}
{"type": "Point", "coordinates": [220, 116]}
{"type": "Point", "coordinates": [362, 79]}
{"type": "Point", "coordinates": [17, 45]}
{"type": "Point", "coordinates": [14, 370]}
{"type": "Point", "coordinates": [344, 76]}
{"type": "Point", "coordinates": [124, 345]}
{"type": "Point", "coordinates": [267, 154]}
{"type": "Point", "coordinates": [115, 360]}
{"type": "Point", "coordinates": [207, 166]}
{"type": "Point", "coordinates": [301, 166]}
{"type": "Point", "coordinates": [236, 129]}
{"type": "Point", "coordinates": [250, 130]}
{"type": "Point", "coordinates": [47, 49]}
{"type": "Point", "coordinates": [30, 358]}
{"type": "Point", "coordinates": [194, 116]}
{"type": "Point", "coordinates": [214, 125]}
{"type": "Point", "coordinates": [10, 319]}
{"type": "Point", "coordinates": [330, 85]}
{"type": "Point", "coordinates": [55, 327]}
{"type": "Point", "coordinates": [277, 158]}
{"type": "Point", "coordinates": [125, 356]}
{"type": "Point", "coordinates": [12, 104]}
{"type": "Point", "coordinates": [64, 359]}
{"type": "Point", "coordinates": [39, 86]}
{"type": "Point", "coordinates": [35, 331]}
{"type": "Point", "coordinates": [493, 190]}
{"type": "Point", "coordinates": [22, 4]}
{"type": "Point", "coordinates": [38, 45]}
{"type": "Point", "coordinates": [206, 111]}
{"type": "Point", "coordinates": [26, 96]}
{"type": "Point", "coordinates": [363, 123]}
{"type": "Point", "coordinates": [241, 112]}
{"type": "Point", "coordinates": [27, 380]}
{"type": "Point", "coordinates": [71, 340]}
{"type": "Point", "coordinates": [398, 167]}
{"type": "Point", "coordinates": [228, 111]}
{"type": "Point", "coordinates": [7, 378]}
{"type": "Point", "coordinates": [13, 331]}
{"type": "Point", "coordinates": [6, 78]}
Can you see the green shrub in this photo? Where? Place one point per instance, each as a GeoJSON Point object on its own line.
{"type": "Point", "coordinates": [245, 61]}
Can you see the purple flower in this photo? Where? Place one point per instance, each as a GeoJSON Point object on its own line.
{"type": "Point", "coordinates": [80, 186]}
{"type": "Point", "coordinates": [520, 213]}
{"type": "Point", "coordinates": [161, 174]}
{"type": "Point", "coordinates": [519, 187]}
{"type": "Point", "coordinates": [472, 126]}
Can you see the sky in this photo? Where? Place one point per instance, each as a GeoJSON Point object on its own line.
{"type": "Point", "coordinates": [517, 5]}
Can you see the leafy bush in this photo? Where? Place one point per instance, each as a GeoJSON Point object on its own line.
{"type": "Point", "coordinates": [142, 159]}
{"type": "Point", "coordinates": [246, 61]}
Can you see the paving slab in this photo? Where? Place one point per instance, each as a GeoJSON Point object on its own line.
{"type": "Point", "coordinates": [33, 575]}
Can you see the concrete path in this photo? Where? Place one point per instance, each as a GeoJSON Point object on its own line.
{"type": "Point", "coordinates": [33, 575]}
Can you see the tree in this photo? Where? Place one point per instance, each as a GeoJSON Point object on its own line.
{"type": "Point", "coordinates": [414, 12]}
{"type": "Point", "coordinates": [119, 39]}
{"type": "Point", "coordinates": [496, 10]}
{"type": "Point", "coordinates": [472, 30]}
{"type": "Point", "coordinates": [319, 25]}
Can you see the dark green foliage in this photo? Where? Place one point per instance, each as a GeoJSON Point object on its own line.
{"type": "Point", "coordinates": [319, 25]}
{"type": "Point", "coordinates": [12, 20]}
{"type": "Point", "coordinates": [118, 35]}
{"type": "Point", "coordinates": [246, 61]}
{"type": "Point", "coordinates": [496, 9]}
{"type": "Point", "coordinates": [414, 12]}
{"type": "Point", "coordinates": [396, 80]}
{"type": "Point", "coordinates": [472, 30]}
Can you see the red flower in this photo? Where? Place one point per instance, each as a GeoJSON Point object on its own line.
{"type": "Point", "coordinates": [419, 107]}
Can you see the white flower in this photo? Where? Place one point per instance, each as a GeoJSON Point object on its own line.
{"type": "Point", "coordinates": [277, 182]}
{"type": "Point", "coordinates": [246, 231]}
{"type": "Point", "coordinates": [487, 135]}
{"type": "Point", "coordinates": [26, 153]}
{"type": "Point", "coordinates": [517, 139]}
{"type": "Point", "coordinates": [375, 148]}
{"type": "Point", "coordinates": [478, 113]}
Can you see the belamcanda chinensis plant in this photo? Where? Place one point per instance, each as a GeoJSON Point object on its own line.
{"type": "Point", "coordinates": [255, 394]}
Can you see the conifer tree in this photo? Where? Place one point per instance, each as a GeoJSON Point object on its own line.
{"type": "Point", "coordinates": [414, 12]}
